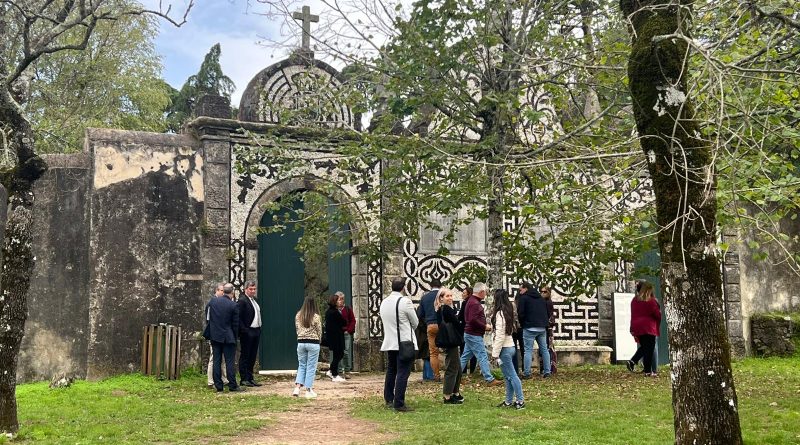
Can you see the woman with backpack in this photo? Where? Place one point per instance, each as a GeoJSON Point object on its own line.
{"type": "Point", "coordinates": [309, 332]}
{"type": "Point", "coordinates": [449, 339]}
{"type": "Point", "coordinates": [503, 349]}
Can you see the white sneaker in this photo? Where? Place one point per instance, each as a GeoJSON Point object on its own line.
{"type": "Point", "coordinates": [296, 392]}
{"type": "Point", "coordinates": [328, 373]}
{"type": "Point", "coordinates": [310, 394]}
{"type": "Point", "coordinates": [338, 378]}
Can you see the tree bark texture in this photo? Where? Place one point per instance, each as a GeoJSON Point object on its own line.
{"type": "Point", "coordinates": [681, 167]}
{"type": "Point", "coordinates": [16, 277]}
{"type": "Point", "coordinates": [18, 260]}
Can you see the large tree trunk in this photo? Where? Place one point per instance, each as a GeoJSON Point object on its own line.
{"type": "Point", "coordinates": [18, 259]}
{"type": "Point", "coordinates": [681, 167]}
{"type": "Point", "coordinates": [16, 276]}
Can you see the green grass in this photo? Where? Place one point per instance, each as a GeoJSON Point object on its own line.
{"type": "Point", "coordinates": [592, 405]}
{"type": "Point", "coordinates": [585, 405]}
{"type": "Point", "coordinates": [134, 409]}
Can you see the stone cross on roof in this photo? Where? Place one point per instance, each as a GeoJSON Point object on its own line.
{"type": "Point", "coordinates": [306, 17]}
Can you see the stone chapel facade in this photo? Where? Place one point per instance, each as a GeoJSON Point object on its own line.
{"type": "Point", "coordinates": [139, 227]}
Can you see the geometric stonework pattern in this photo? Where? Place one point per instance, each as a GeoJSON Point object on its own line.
{"type": "Point", "coordinates": [422, 269]}
{"type": "Point", "coordinates": [236, 264]}
{"type": "Point", "coordinates": [374, 298]}
{"type": "Point", "coordinates": [576, 320]}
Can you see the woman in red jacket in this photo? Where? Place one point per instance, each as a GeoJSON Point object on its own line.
{"type": "Point", "coordinates": [645, 321]}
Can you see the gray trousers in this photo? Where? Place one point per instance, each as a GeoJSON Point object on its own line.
{"type": "Point", "coordinates": [346, 364]}
{"type": "Point", "coordinates": [211, 369]}
{"type": "Point", "coordinates": [452, 371]}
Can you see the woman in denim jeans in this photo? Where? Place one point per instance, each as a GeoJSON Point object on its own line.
{"type": "Point", "coordinates": [309, 331]}
{"type": "Point", "coordinates": [503, 349]}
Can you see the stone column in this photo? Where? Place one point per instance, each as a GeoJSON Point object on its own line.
{"type": "Point", "coordinates": [732, 295]}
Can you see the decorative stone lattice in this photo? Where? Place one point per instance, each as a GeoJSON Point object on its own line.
{"type": "Point", "coordinates": [374, 298]}
{"type": "Point", "coordinates": [298, 91]}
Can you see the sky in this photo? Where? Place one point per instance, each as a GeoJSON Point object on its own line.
{"type": "Point", "coordinates": [243, 31]}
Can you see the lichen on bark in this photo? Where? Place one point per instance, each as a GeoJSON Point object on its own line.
{"type": "Point", "coordinates": [684, 183]}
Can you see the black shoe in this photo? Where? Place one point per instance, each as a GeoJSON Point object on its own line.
{"type": "Point", "coordinates": [403, 409]}
{"type": "Point", "coordinates": [525, 377]}
{"type": "Point", "coordinates": [630, 365]}
{"type": "Point", "coordinates": [453, 400]}
{"type": "Point", "coordinates": [505, 405]}
{"type": "Point", "coordinates": [236, 389]}
{"type": "Point", "coordinates": [253, 383]}
{"type": "Point", "coordinates": [458, 397]}
{"type": "Point", "coordinates": [246, 383]}
{"type": "Point", "coordinates": [389, 405]}
{"type": "Point", "coordinates": [519, 405]}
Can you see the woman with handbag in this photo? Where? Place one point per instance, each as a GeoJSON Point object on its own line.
{"type": "Point", "coordinates": [448, 339]}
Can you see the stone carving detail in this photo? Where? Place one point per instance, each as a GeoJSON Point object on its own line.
{"type": "Point", "coordinates": [621, 275]}
{"type": "Point", "coordinates": [236, 264]}
{"type": "Point", "coordinates": [374, 298]}
{"type": "Point", "coordinates": [298, 91]}
{"type": "Point", "coordinates": [576, 320]}
{"type": "Point", "coordinates": [421, 270]}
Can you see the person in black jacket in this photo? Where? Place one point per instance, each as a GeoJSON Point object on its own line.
{"type": "Point", "coordinates": [334, 335]}
{"type": "Point", "coordinates": [533, 319]}
{"type": "Point", "coordinates": [223, 322]}
{"type": "Point", "coordinates": [249, 333]}
{"type": "Point", "coordinates": [446, 315]}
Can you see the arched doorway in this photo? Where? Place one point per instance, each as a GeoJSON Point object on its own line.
{"type": "Point", "coordinates": [285, 278]}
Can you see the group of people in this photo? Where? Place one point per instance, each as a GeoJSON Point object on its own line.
{"type": "Point", "coordinates": [458, 337]}
{"type": "Point", "coordinates": [340, 324]}
{"type": "Point", "coordinates": [226, 321]}
{"type": "Point", "coordinates": [229, 320]}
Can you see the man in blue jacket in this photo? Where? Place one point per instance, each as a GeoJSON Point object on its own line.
{"type": "Point", "coordinates": [534, 319]}
{"type": "Point", "coordinates": [223, 320]}
{"type": "Point", "coordinates": [427, 315]}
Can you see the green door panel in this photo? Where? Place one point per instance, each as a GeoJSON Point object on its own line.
{"type": "Point", "coordinates": [651, 260]}
{"type": "Point", "coordinates": [280, 293]}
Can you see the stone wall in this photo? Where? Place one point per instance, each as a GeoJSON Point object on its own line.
{"type": "Point", "coordinates": [57, 330]}
{"type": "Point", "coordinates": [144, 245]}
{"type": "Point", "coordinates": [774, 335]}
{"type": "Point", "coordinates": [117, 241]}
{"type": "Point", "coordinates": [768, 285]}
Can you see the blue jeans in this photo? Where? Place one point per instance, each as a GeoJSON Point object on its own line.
{"type": "Point", "coordinates": [473, 345]}
{"type": "Point", "coordinates": [513, 383]}
{"type": "Point", "coordinates": [427, 370]}
{"type": "Point", "coordinates": [528, 336]}
{"type": "Point", "coordinates": [307, 356]}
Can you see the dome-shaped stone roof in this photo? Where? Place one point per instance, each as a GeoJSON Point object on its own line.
{"type": "Point", "coordinates": [299, 90]}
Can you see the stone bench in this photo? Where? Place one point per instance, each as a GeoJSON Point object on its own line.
{"type": "Point", "coordinates": [574, 355]}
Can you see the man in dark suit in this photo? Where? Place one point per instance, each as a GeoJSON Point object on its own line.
{"type": "Point", "coordinates": [249, 333]}
{"type": "Point", "coordinates": [223, 320]}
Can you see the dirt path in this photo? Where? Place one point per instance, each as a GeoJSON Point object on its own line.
{"type": "Point", "coordinates": [325, 420]}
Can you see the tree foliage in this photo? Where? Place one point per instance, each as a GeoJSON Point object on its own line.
{"type": "Point", "coordinates": [31, 31]}
{"type": "Point", "coordinates": [115, 82]}
{"type": "Point", "coordinates": [209, 80]}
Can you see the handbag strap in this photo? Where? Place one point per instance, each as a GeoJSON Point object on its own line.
{"type": "Point", "coordinates": [397, 319]}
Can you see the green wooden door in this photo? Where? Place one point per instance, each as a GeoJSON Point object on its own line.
{"type": "Point", "coordinates": [651, 262]}
{"type": "Point", "coordinates": [280, 294]}
{"type": "Point", "coordinates": [339, 267]}
{"type": "Point", "coordinates": [281, 287]}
